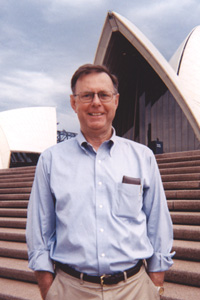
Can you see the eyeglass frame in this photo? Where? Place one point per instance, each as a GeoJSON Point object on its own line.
{"type": "Point", "coordinates": [93, 94]}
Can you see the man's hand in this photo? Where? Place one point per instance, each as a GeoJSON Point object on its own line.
{"type": "Point", "coordinates": [44, 280]}
{"type": "Point", "coordinates": [157, 278]}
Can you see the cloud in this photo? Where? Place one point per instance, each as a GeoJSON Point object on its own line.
{"type": "Point", "coordinates": [32, 89]}
{"type": "Point", "coordinates": [68, 121]}
{"type": "Point", "coordinates": [59, 10]}
{"type": "Point", "coordinates": [165, 23]}
{"type": "Point", "coordinates": [29, 89]}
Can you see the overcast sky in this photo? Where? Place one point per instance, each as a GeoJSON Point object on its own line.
{"type": "Point", "coordinates": [42, 42]}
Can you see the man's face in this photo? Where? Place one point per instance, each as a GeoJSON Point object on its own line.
{"type": "Point", "coordinates": [95, 117]}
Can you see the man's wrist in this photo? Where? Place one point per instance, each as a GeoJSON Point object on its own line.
{"type": "Point", "coordinates": [157, 278]}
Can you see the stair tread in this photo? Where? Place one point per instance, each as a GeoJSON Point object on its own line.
{"type": "Point", "coordinates": [183, 205]}
{"type": "Point", "coordinates": [186, 232]}
{"type": "Point", "coordinates": [187, 250]}
{"type": "Point", "coordinates": [14, 263]}
{"type": "Point", "coordinates": [182, 185]}
{"type": "Point", "coordinates": [183, 194]}
{"type": "Point", "coordinates": [181, 164]}
{"type": "Point", "coordinates": [19, 170]}
{"type": "Point", "coordinates": [182, 217]}
{"type": "Point", "coordinates": [13, 234]}
{"type": "Point", "coordinates": [186, 266]}
{"type": "Point", "coordinates": [13, 245]}
{"type": "Point", "coordinates": [14, 190]}
{"type": "Point", "coordinates": [13, 219]}
{"type": "Point", "coordinates": [167, 171]}
{"type": "Point", "coordinates": [12, 209]}
{"type": "Point", "coordinates": [13, 222]}
{"type": "Point", "coordinates": [183, 213]}
{"type": "Point", "coordinates": [180, 177]}
{"type": "Point", "coordinates": [13, 249]}
{"type": "Point", "coordinates": [11, 185]}
{"type": "Point", "coordinates": [187, 227]}
{"type": "Point", "coordinates": [17, 196]}
{"type": "Point", "coordinates": [184, 272]}
{"type": "Point", "coordinates": [17, 178]}
{"type": "Point", "coordinates": [13, 212]}
{"type": "Point", "coordinates": [14, 203]}
{"type": "Point", "coordinates": [177, 159]}
{"type": "Point", "coordinates": [189, 153]}
{"type": "Point", "coordinates": [16, 268]}
{"type": "Point", "coordinates": [13, 289]}
{"type": "Point", "coordinates": [174, 291]}
{"type": "Point", "coordinates": [187, 244]}
{"type": "Point", "coordinates": [12, 230]}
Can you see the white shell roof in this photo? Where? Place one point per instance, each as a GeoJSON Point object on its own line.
{"type": "Point", "coordinates": [176, 84]}
{"type": "Point", "coordinates": [186, 63]}
{"type": "Point", "coordinates": [26, 130]}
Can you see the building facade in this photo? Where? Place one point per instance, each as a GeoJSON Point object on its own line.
{"type": "Point", "coordinates": [156, 104]}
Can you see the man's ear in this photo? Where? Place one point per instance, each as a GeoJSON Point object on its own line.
{"type": "Point", "coordinates": [117, 100]}
{"type": "Point", "coordinates": [73, 102]}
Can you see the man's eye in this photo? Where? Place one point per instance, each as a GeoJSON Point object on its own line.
{"type": "Point", "coordinates": [85, 96]}
{"type": "Point", "coordinates": [104, 95]}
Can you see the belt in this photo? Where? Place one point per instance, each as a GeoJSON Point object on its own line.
{"type": "Point", "coordinates": [104, 279]}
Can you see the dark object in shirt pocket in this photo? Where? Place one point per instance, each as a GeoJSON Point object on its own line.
{"type": "Point", "coordinates": [131, 180]}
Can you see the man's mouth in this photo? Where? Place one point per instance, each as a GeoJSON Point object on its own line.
{"type": "Point", "coordinates": [95, 114]}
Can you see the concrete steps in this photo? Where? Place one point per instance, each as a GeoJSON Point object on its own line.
{"type": "Point", "coordinates": [14, 290]}
{"type": "Point", "coordinates": [12, 234]}
{"type": "Point", "coordinates": [17, 281]}
{"type": "Point", "coordinates": [184, 272]}
{"type": "Point", "coordinates": [181, 179]}
{"type": "Point", "coordinates": [16, 269]}
{"type": "Point", "coordinates": [188, 250]}
{"type": "Point", "coordinates": [13, 249]}
{"type": "Point", "coordinates": [180, 174]}
{"type": "Point", "coordinates": [174, 291]}
{"type": "Point", "coordinates": [186, 232]}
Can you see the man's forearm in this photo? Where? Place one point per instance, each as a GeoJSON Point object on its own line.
{"type": "Point", "coordinates": [157, 278]}
{"type": "Point", "coordinates": [44, 280]}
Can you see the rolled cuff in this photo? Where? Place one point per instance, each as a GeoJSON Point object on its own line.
{"type": "Point", "coordinates": [159, 262]}
{"type": "Point", "coordinates": [40, 261]}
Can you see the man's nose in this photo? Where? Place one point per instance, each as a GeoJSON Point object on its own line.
{"type": "Point", "coordinates": [96, 100]}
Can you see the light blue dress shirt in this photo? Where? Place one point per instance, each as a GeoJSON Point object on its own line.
{"type": "Point", "coordinates": [81, 213]}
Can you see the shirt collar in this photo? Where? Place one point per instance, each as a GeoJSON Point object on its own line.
{"type": "Point", "coordinates": [83, 142]}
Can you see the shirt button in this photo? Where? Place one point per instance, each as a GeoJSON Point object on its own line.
{"type": "Point", "coordinates": [101, 229]}
{"type": "Point", "coordinates": [103, 255]}
{"type": "Point", "coordinates": [100, 206]}
{"type": "Point", "coordinates": [99, 183]}
{"type": "Point", "coordinates": [99, 161]}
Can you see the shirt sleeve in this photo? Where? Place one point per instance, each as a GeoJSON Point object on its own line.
{"type": "Point", "coordinates": [40, 230]}
{"type": "Point", "coordinates": [159, 223]}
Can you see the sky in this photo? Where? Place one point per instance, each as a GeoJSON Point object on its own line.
{"type": "Point", "coordinates": [43, 42]}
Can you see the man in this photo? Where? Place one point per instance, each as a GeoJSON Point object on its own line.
{"type": "Point", "coordinates": [98, 219]}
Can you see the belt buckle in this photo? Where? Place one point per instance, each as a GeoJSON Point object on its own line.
{"type": "Point", "coordinates": [103, 277]}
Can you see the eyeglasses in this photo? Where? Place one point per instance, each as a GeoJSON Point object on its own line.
{"type": "Point", "coordinates": [87, 97]}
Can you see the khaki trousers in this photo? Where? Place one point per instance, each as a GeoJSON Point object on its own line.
{"type": "Point", "coordinates": [137, 287]}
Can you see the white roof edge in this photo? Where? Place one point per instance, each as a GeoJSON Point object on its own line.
{"type": "Point", "coordinates": [29, 129]}
{"type": "Point", "coordinates": [154, 58]}
{"type": "Point", "coordinates": [4, 151]}
{"type": "Point", "coordinates": [175, 60]}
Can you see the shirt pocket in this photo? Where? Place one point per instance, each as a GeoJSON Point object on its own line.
{"type": "Point", "coordinates": [129, 200]}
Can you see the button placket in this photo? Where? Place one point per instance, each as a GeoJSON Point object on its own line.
{"type": "Point", "coordinates": [100, 212]}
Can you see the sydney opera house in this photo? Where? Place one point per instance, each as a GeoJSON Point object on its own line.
{"type": "Point", "coordinates": [159, 100]}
